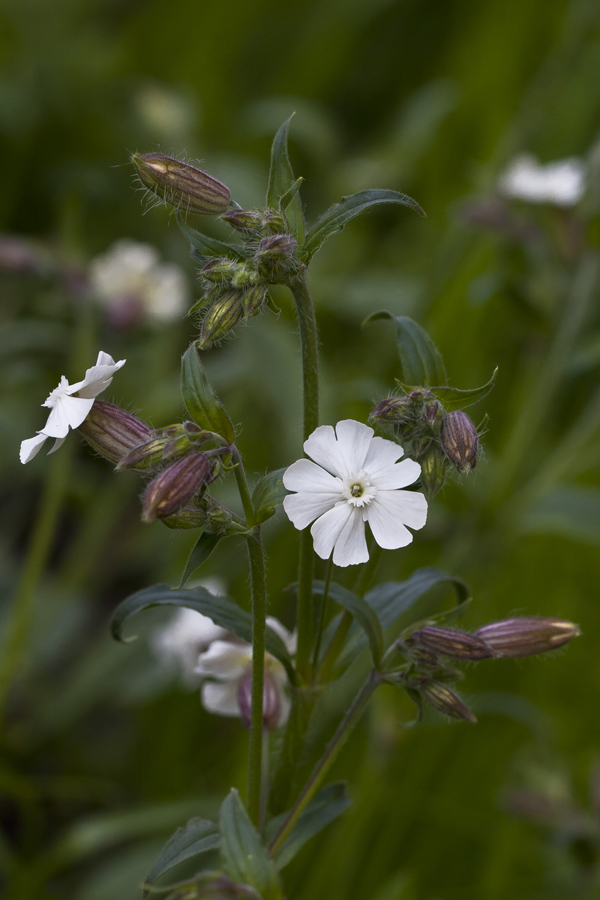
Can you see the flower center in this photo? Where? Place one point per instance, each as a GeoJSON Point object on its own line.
{"type": "Point", "coordinates": [358, 490]}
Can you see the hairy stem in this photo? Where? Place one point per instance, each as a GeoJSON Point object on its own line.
{"type": "Point", "coordinates": [259, 611]}
{"type": "Point", "coordinates": [332, 751]}
{"type": "Point", "coordinates": [310, 380]}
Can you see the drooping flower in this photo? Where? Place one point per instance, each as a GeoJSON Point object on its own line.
{"type": "Point", "coordinates": [132, 283]}
{"type": "Point", "coordinates": [71, 404]}
{"type": "Point", "coordinates": [561, 183]}
{"type": "Point", "coordinates": [355, 478]}
{"type": "Point", "coordinates": [227, 663]}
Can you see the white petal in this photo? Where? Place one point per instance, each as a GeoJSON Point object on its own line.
{"type": "Point", "coordinates": [327, 528]}
{"type": "Point", "coordinates": [305, 475]}
{"type": "Point", "coordinates": [69, 412]}
{"type": "Point", "coordinates": [31, 447]}
{"type": "Point", "coordinates": [390, 512]}
{"type": "Point", "coordinates": [98, 377]}
{"type": "Point", "coordinates": [397, 476]}
{"type": "Point", "coordinates": [221, 698]}
{"type": "Point", "coordinates": [284, 709]}
{"type": "Point", "coordinates": [382, 454]}
{"type": "Point", "coordinates": [354, 439]}
{"type": "Point", "coordinates": [323, 447]}
{"type": "Point", "coordinates": [57, 445]}
{"type": "Point", "coordinates": [351, 546]}
{"type": "Point", "coordinates": [302, 509]}
{"type": "Point", "coordinates": [286, 636]}
{"type": "Point", "coordinates": [224, 660]}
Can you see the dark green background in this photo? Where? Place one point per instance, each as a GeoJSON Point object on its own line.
{"type": "Point", "coordinates": [102, 756]}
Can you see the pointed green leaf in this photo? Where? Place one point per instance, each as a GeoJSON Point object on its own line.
{"type": "Point", "coordinates": [329, 803]}
{"type": "Point", "coordinates": [198, 836]}
{"type": "Point", "coordinates": [200, 399]}
{"type": "Point", "coordinates": [290, 194]}
{"type": "Point", "coordinates": [360, 610]}
{"type": "Point", "coordinates": [245, 858]}
{"type": "Point", "coordinates": [199, 553]}
{"type": "Point", "coordinates": [338, 215]}
{"type": "Point", "coordinates": [455, 398]}
{"type": "Point", "coordinates": [420, 359]}
{"type": "Point", "coordinates": [268, 494]}
{"type": "Point", "coordinates": [282, 182]}
{"type": "Point", "coordinates": [206, 247]}
{"type": "Point", "coordinates": [221, 610]}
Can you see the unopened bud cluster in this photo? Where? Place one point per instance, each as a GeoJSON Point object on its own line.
{"type": "Point", "coordinates": [428, 649]}
{"type": "Point", "coordinates": [440, 441]}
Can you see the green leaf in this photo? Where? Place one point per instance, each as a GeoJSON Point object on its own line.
{"type": "Point", "coordinates": [245, 858]}
{"type": "Point", "coordinates": [268, 494]}
{"type": "Point", "coordinates": [361, 611]}
{"type": "Point", "coordinates": [282, 183]}
{"type": "Point", "coordinates": [206, 247]}
{"type": "Point", "coordinates": [329, 803]}
{"type": "Point", "coordinates": [289, 195]}
{"type": "Point", "coordinates": [338, 215]}
{"type": "Point", "coordinates": [454, 398]}
{"type": "Point", "coordinates": [200, 399]}
{"type": "Point", "coordinates": [198, 836]}
{"type": "Point", "coordinates": [421, 361]}
{"type": "Point", "coordinates": [199, 553]}
{"type": "Point", "coordinates": [221, 610]}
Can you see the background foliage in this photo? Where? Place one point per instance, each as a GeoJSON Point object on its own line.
{"type": "Point", "coordinates": [103, 752]}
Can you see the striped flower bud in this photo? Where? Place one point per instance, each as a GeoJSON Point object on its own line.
{"type": "Point", "coordinates": [433, 469]}
{"type": "Point", "coordinates": [459, 440]}
{"type": "Point", "coordinates": [219, 270]}
{"type": "Point", "coordinates": [175, 486]}
{"type": "Point", "coordinates": [244, 220]}
{"type": "Point", "coordinates": [277, 246]}
{"type": "Point", "coordinates": [254, 299]}
{"type": "Point", "coordinates": [181, 185]}
{"type": "Point", "coordinates": [393, 409]}
{"type": "Point", "coordinates": [527, 635]}
{"type": "Point", "coordinates": [223, 315]}
{"type": "Point", "coordinates": [452, 643]}
{"type": "Point", "coordinates": [186, 518]}
{"type": "Point", "coordinates": [113, 432]}
{"type": "Point", "coordinates": [445, 701]}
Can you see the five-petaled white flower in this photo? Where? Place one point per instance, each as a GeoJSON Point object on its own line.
{"type": "Point", "coordinates": [71, 404]}
{"type": "Point", "coordinates": [228, 664]}
{"type": "Point", "coordinates": [561, 183]}
{"type": "Point", "coordinates": [355, 478]}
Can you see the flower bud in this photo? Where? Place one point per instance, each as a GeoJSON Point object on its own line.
{"type": "Point", "coordinates": [271, 701]}
{"type": "Point", "coordinates": [460, 441]}
{"type": "Point", "coordinates": [186, 518]}
{"type": "Point", "coordinates": [394, 409]}
{"type": "Point", "coordinates": [277, 246]}
{"type": "Point", "coordinates": [449, 642]}
{"type": "Point", "coordinates": [446, 701]}
{"type": "Point", "coordinates": [175, 486]}
{"type": "Point", "coordinates": [272, 221]}
{"type": "Point", "coordinates": [527, 635]}
{"type": "Point", "coordinates": [219, 270]}
{"type": "Point", "coordinates": [112, 431]}
{"type": "Point", "coordinates": [223, 315]}
{"type": "Point", "coordinates": [254, 299]}
{"type": "Point", "coordinates": [243, 219]}
{"type": "Point", "coordinates": [433, 470]}
{"type": "Point", "coordinates": [181, 185]}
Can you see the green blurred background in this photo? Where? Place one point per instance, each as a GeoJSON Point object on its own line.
{"type": "Point", "coordinates": [104, 752]}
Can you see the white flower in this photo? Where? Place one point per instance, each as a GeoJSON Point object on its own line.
{"type": "Point", "coordinates": [355, 478]}
{"type": "Point", "coordinates": [228, 663]}
{"type": "Point", "coordinates": [71, 404]}
{"type": "Point", "coordinates": [561, 183]}
{"type": "Point", "coordinates": [129, 279]}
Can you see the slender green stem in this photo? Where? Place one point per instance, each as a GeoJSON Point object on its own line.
{"type": "Point", "coordinates": [259, 611]}
{"type": "Point", "coordinates": [264, 788]}
{"type": "Point", "coordinates": [310, 379]}
{"type": "Point", "coordinates": [21, 614]}
{"type": "Point", "coordinates": [322, 614]}
{"type": "Point", "coordinates": [332, 751]}
{"type": "Point", "coordinates": [242, 483]}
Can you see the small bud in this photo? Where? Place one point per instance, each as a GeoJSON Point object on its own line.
{"type": "Point", "coordinates": [186, 518]}
{"type": "Point", "coordinates": [147, 455]}
{"type": "Point", "coordinates": [527, 635]}
{"type": "Point", "coordinates": [175, 486]}
{"type": "Point", "coordinates": [223, 315]}
{"type": "Point", "coordinates": [433, 470]}
{"type": "Point", "coordinates": [272, 221]}
{"type": "Point", "coordinates": [112, 431]}
{"type": "Point", "coordinates": [243, 219]}
{"type": "Point", "coordinates": [394, 409]}
{"type": "Point", "coordinates": [181, 185]}
{"type": "Point", "coordinates": [433, 412]}
{"type": "Point", "coordinates": [254, 299]}
{"type": "Point", "coordinates": [449, 642]}
{"type": "Point", "coordinates": [219, 270]}
{"type": "Point", "coordinates": [271, 701]}
{"type": "Point", "coordinates": [446, 701]}
{"type": "Point", "coordinates": [460, 441]}
{"type": "Point", "coordinates": [278, 246]}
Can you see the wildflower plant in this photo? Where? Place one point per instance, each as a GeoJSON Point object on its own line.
{"type": "Point", "coordinates": [354, 494]}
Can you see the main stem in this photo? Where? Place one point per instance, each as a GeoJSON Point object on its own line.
{"type": "Point", "coordinates": [310, 379]}
{"type": "Point", "coordinates": [332, 751]}
{"type": "Point", "coordinates": [258, 584]}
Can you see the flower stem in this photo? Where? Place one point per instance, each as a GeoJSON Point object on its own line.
{"type": "Point", "coordinates": [242, 484]}
{"type": "Point", "coordinates": [331, 753]}
{"type": "Point", "coordinates": [310, 379]}
{"type": "Point", "coordinates": [259, 612]}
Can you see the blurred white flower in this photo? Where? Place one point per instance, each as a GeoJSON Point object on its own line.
{"type": "Point", "coordinates": [355, 478]}
{"type": "Point", "coordinates": [561, 183]}
{"type": "Point", "coordinates": [130, 281]}
{"type": "Point", "coordinates": [68, 410]}
{"type": "Point", "coordinates": [180, 643]}
{"type": "Point", "coordinates": [228, 665]}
